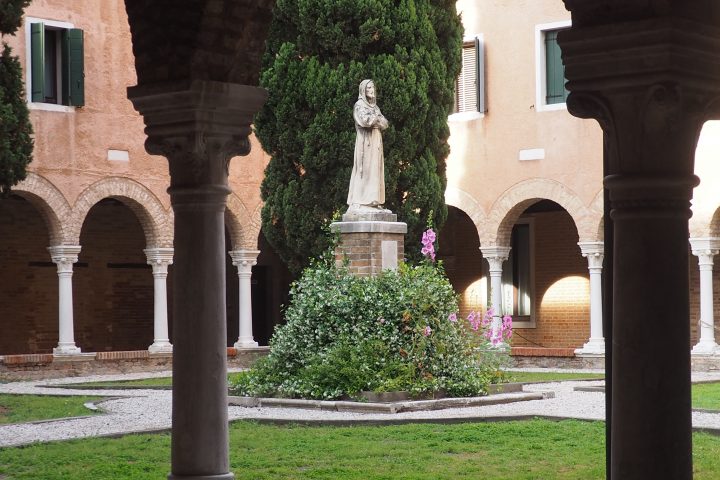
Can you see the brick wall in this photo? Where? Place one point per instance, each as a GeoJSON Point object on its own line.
{"type": "Point", "coordinates": [28, 281]}
{"type": "Point", "coordinates": [364, 251]}
{"type": "Point", "coordinates": [113, 294]}
{"type": "Point", "coordinates": [459, 249]}
{"type": "Point", "coordinates": [562, 286]}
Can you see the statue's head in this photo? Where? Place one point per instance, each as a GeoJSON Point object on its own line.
{"type": "Point", "coordinates": [367, 91]}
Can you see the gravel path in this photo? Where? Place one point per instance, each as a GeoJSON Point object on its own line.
{"type": "Point", "coordinates": [144, 410]}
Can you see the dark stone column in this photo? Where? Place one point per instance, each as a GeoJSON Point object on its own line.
{"type": "Point", "coordinates": [650, 78]}
{"type": "Point", "coordinates": [199, 127]}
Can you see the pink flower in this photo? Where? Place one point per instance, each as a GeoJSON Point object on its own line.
{"type": "Point", "coordinates": [474, 320]}
{"type": "Point", "coordinates": [427, 331]}
{"type": "Point", "coordinates": [453, 317]}
{"type": "Point", "coordinates": [381, 320]}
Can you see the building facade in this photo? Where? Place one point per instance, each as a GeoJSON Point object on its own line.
{"type": "Point", "coordinates": [525, 189]}
{"type": "Point", "coordinates": [86, 243]}
{"type": "Point", "coordinates": [86, 240]}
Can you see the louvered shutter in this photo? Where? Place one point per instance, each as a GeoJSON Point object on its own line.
{"type": "Point", "coordinates": [466, 91]}
{"type": "Point", "coordinates": [554, 70]}
{"type": "Point", "coordinates": [73, 68]}
{"type": "Point", "coordinates": [37, 61]}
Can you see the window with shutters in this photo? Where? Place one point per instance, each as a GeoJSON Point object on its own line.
{"type": "Point", "coordinates": [470, 84]}
{"type": "Point", "coordinates": [551, 92]}
{"type": "Point", "coordinates": [55, 72]}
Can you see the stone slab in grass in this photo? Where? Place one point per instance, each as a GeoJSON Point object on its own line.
{"type": "Point", "coordinates": [390, 407]}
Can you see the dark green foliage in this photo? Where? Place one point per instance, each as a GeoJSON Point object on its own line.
{"type": "Point", "coordinates": [11, 12]}
{"type": "Point", "coordinates": [15, 129]}
{"type": "Point", "coordinates": [318, 53]}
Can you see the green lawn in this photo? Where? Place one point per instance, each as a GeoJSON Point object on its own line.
{"type": "Point", "coordinates": [140, 382]}
{"type": "Point", "coordinates": [527, 450]}
{"type": "Point", "coordinates": [706, 395]}
{"type": "Point", "coordinates": [551, 376]}
{"type": "Point", "coordinates": [28, 408]}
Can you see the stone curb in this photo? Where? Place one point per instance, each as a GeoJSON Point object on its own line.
{"type": "Point", "coordinates": [393, 407]}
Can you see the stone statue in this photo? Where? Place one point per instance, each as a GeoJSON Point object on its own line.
{"type": "Point", "coordinates": [367, 182]}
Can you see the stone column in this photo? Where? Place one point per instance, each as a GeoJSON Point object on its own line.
{"type": "Point", "coordinates": [64, 256]}
{"type": "Point", "coordinates": [652, 112]}
{"type": "Point", "coordinates": [199, 126]}
{"type": "Point", "coordinates": [594, 252]}
{"type": "Point", "coordinates": [160, 259]}
{"type": "Point", "coordinates": [495, 257]}
{"type": "Point", "coordinates": [244, 260]}
{"type": "Point", "coordinates": [705, 249]}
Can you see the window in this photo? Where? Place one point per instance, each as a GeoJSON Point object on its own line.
{"type": "Point", "coordinates": [470, 84]}
{"type": "Point", "coordinates": [550, 74]}
{"type": "Point", "coordinates": [56, 73]}
{"type": "Point", "coordinates": [518, 276]}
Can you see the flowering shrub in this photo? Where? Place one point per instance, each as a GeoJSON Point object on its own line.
{"type": "Point", "coordinates": [397, 331]}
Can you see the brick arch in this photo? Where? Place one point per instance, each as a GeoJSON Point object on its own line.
{"type": "Point", "coordinates": [50, 202]}
{"type": "Point", "coordinates": [156, 222]}
{"type": "Point", "coordinates": [597, 212]}
{"type": "Point", "coordinates": [243, 226]}
{"type": "Point", "coordinates": [508, 207]}
{"type": "Point", "coordinates": [464, 201]}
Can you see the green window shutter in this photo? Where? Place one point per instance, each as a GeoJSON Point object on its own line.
{"type": "Point", "coordinates": [554, 70]}
{"type": "Point", "coordinates": [73, 62]}
{"type": "Point", "coordinates": [37, 61]}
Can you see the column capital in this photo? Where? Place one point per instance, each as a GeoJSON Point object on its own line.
{"type": "Point", "coordinates": [495, 252]}
{"type": "Point", "coordinates": [159, 258]}
{"type": "Point", "coordinates": [198, 125]}
{"type": "Point", "coordinates": [705, 247]}
{"type": "Point", "coordinates": [594, 252]}
{"type": "Point", "coordinates": [244, 259]}
{"type": "Point", "coordinates": [652, 99]}
{"type": "Point", "coordinates": [495, 256]}
{"type": "Point", "coordinates": [64, 256]}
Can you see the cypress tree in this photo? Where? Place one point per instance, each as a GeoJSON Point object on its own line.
{"type": "Point", "coordinates": [16, 143]}
{"type": "Point", "coordinates": [318, 52]}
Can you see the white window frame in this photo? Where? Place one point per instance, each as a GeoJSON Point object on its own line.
{"type": "Point", "coordinates": [50, 107]}
{"type": "Point", "coordinates": [540, 70]}
{"type": "Point", "coordinates": [468, 116]}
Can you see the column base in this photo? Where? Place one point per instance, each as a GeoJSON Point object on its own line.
{"type": "Point", "coordinates": [160, 347]}
{"type": "Point", "coordinates": [706, 348]}
{"type": "Point", "coordinates": [245, 343]}
{"type": "Point", "coordinates": [595, 346]}
{"type": "Point", "coordinates": [66, 350]}
{"type": "Point", "coordinates": [224, 476]}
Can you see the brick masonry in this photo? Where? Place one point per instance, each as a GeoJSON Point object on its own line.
{"type": "Point", "coordinates": [363, 251]}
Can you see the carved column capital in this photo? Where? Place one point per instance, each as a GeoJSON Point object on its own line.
{"type": "Point", "coordinates": [159, 259]}
{"type": "Point", "coordinates": [657, 93]}
{"type": "Point", "coordinates": [495, 255]}
{"type": "Point", "coordinates": [705, 249]}
{"type": "Point", "coordinates": [64, 256]}
{"type": "Point", "coordinates": [594, 252]}
{"type": "Point", "coordinates": [198, 125]}
{"type": "Point", "coordinates": [244, 260]}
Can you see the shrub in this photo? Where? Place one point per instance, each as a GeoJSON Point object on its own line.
{"type": "Point", "coordinates": [346, 334]}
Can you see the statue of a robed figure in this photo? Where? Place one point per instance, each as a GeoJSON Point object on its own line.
{"type": "Point", "coordinates": [367, 182]}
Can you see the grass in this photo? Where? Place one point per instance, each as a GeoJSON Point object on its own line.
{"type": "Point", "coordinates": [141, 382]}
{"type": "Point", "coordinates": [28, 408]}
{"type": "Point", "coordinates": [706, 395]}
{"type": "Point", "coordinates": [551, 376]}
{"type": "Point", "coordinates": [527, 450]}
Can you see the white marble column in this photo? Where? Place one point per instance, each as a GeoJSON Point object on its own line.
{"type": "Point", "coordinates": [244, 260]}
{"type": "Point", "coordinates": [705, 249]}
{"type": "Point", "coordinates": [594, 252]}
{"type": "Point", "coordinates": [495, 257]}
{"type": "Point", "coordinates": [64, 256]}
{"type": "Point", "coordinates": [160, 259]}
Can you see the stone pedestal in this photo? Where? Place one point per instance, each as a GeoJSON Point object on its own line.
{"type": "Point", "coordinates": [370, 241]}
